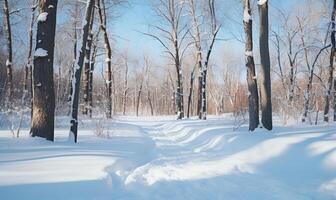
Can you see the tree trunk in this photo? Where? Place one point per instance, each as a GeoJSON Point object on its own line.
{"type": "Point", "coordinates": [179, 89]}
{"type": "Point", "coordinates": [42, 123]}
{"type": "Point", "coordinates": [108, 56]}
{"type": "Point", "coordinates": [265, 69]}
{"type": "Point", "coordinates": [125, 88]}
{"type": "Point", "coordinates": [331, 66]}
{"type": "Point", "coordinates": [92, 66]}
{"type": "Point", "coordinates": [77, 74]}
{"type": "Point", "coordinates": [192, 78]}
{"type": "Point", "coordinates": [253, 97]}
{"type": "Point", "coordinates": [87, 66]}
{"type": "Point", "coordinates": [9, 61]}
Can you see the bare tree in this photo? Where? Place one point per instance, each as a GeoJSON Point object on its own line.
{"type": "Point", "coordinates": [173, 36]}
{"type": "Point", "coordinates": [77, 74]}
{"type": "Point", "coordinates": [125, 94]}
{"type": "Point", "coordinates": [199, 41]}
{"type": "Point", "coordinates": [87, 60]}
{"type": "Point", "coordinates": [108, 56]}
{"type": "Point", "coordinates": [265, 69]}
{"type": "Point", "coordinates": [9, 61]}
{"type": "Point", "coordinates": [42, 122]}
{"type": "Point", "coordinates": [253, 97]}
{"type": "Point", "coordinates": [331, 83]}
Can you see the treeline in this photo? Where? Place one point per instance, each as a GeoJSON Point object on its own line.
{"type": "Point", "coordinates": [75, 67]}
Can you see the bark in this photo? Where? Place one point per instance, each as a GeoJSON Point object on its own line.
{"type": "Point", "coordinates": [179, 75]}
{"type": "Point", "coordinates": [9, 61]}
{"type": "Point", "coordinates": [192, 78]}
{"type": "Point", "coordinates": [77, 74]}
{"type": "Point", "coordinates": [125, 88]}
{"type": "Point", "coordinates": [138, 99]}
{"type": "Point", "coordinates": [331, 66]}
{"type": "Point", "coordinates": [253, 98]}
{"type": "Point", "coordinates": [42, 123]}
{"type": "Point", "coordinates": [92, 66]}
{"type": "Point", "coordinates": [71, 71]}
{"type": "Point", "coordinates": [87, 66]}
{"type": "Point", "coordinates": [265, 69]}
{"type": "Point", "coordinates": [108, 56]}
{"type": "Point", "coordinates": [310, 84]}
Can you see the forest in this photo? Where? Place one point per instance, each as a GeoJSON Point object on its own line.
{"type": "Point", "coordinates": [168, 99]}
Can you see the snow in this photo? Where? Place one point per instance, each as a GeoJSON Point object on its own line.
{"type": "Point", "coordinates": [262, 2]}
{"type": "Point", "coordinates": [42, 17]}
{"type": "Point", "coordinates": [249, 53]}
{"type": "Point", "coordinates": [247, 16]}
{"type": "Point", "coordinates": [8, 63]}
{"type": "Point", "coordinates": [40, 52]}
{"type": "Point", "coordinates": [162, 158]}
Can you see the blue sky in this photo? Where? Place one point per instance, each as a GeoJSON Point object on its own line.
{"type": "Point", "coordinates": [138, 15]}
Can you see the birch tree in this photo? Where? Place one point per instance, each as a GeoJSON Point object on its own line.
{"type": "Point", "coordinates": [207, 41]}
{"type": "Point", "coordinates": [43, 111]}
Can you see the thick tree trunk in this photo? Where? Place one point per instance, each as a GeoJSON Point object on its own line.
{"type": "Point", "coordinates": [331, 66]}
{"type": "Point", "coordinates": [108, 56]}
{"type": "Point", "coordinates": [87, 59]}
{"type": "Point", "coordinates": [265, 69]}
{"type": "Point", "coordinates": [77, 74]}
{"type": "Point", "coordinates": [253, 97]}
{"type": "Point", "coordinates": [42, 123]}
{"type": "Point", "coordinates": [9, 61]}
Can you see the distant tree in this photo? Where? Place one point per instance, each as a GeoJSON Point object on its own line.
{"type": "Point", "coordinates": [172, 37]}
{"type": "Point", "coordinates": [108, 55]}
{"type": "Point", "coordinates": [332, 79]}
{"type": "Point", "coordinates": [43, 111]}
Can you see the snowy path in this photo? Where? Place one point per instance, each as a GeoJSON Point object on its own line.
{"type": "Point", "coordinates": [165, 159]}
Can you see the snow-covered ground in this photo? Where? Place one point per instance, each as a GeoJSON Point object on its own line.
{"type": "Point", "coordinates": [161, 158]}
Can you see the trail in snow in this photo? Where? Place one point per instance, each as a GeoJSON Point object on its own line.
{"type": "Point", "coordinates": [160, 158]}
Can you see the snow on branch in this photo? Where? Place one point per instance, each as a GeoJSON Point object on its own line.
{"type": "Point", "coordinates": [40, 52]}
{"type": "Point", "coordinates": [262, 2]}
{"type": "Point", "coordinates": [42, 17]}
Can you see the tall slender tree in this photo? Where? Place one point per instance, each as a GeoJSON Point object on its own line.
{"type": "Point", "coordinates": [108, 56]}
{"type": "Point", "coordinates": [43, 111]}
{"type": "Point", "coordinates": [265, 69]}
{"type": "Point", "coordinates": [87, 60]}
{"type": "Point", "coordinates": [253, 97]}
{"type": "Point", "coordinates": [331, 68]}
{"type": "Point", "coordinates": [77, 73]}
{"type": "Point", "coordinates": [9, 61]}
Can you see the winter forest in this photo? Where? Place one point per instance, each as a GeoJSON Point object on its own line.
{"type": "Point", "coordinates": [168, 99]}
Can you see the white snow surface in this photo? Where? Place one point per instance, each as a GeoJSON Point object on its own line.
{"type": "Point", "coordinates": [42, 17]}
{"type": "Point", "coordinates": [40, 52]}
{"type": "Point", "coordinates": [161, 158]}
